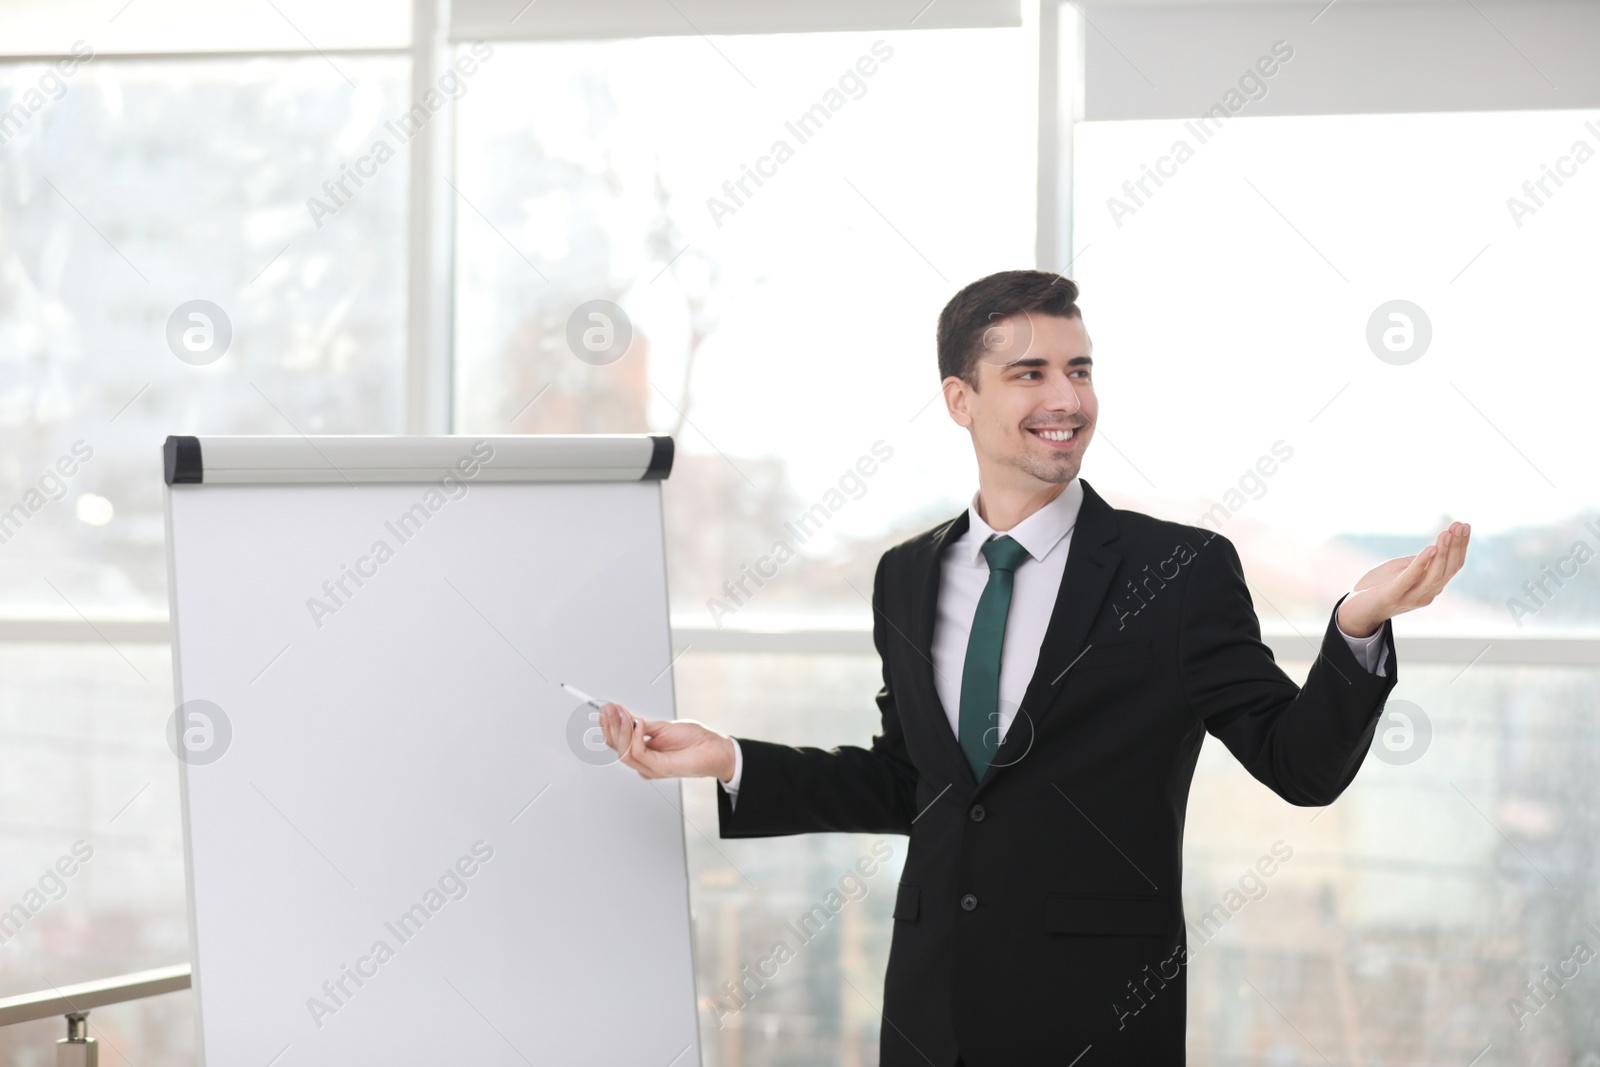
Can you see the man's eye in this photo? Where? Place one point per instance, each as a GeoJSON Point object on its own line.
{"type": "Point", "coordinates": [1025, 373]}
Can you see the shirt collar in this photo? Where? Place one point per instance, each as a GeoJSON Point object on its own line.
{"type": "Point", "coordinates": [1039, 533]}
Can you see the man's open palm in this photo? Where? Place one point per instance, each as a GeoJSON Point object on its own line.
{"type": "Point", "coordinates": [1406, 583]}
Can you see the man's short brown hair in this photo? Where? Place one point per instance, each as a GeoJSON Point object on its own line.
{"type": "Point", "coordinates": [985, 302]}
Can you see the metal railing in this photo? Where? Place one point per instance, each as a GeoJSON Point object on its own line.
{"type": "Point", "coordinates": [78, 1049]}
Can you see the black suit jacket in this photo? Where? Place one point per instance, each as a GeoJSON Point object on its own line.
{"type": "Point", "coordinates": [1037, 903]}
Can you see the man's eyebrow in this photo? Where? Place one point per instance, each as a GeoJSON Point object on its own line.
{"type": "Point", "coordinates": [1040, 361]}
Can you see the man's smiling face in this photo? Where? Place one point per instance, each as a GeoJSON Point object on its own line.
{"type": "Point", "coordinates": [1034, 387]}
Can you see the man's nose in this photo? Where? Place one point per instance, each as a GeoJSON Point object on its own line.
{"type": "Point", "coordinates": [1064, 398]}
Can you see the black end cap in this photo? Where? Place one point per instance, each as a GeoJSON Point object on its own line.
{"type": "Point", "coordinates": [660, 459]}
{"type": "Point", "coordinates": [181, 456]}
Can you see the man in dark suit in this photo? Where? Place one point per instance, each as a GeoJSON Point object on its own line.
{"type": "Point", "coordinates": [1051, 665]}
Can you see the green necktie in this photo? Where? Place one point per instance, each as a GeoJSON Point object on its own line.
{"type": "Point", "coordinates": [980, 677]}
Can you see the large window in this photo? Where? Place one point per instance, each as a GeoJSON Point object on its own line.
{"type": "Point", "coordinates": [1256, 287]}
{"type": "Point", "coordinates": [782, 326]}
{"type": "Point", "coordinates": [1382, 299]}
{"type": "Point", "coordinates": [135, 189]}
{"type": "Point", "coordinates": [166, 267]}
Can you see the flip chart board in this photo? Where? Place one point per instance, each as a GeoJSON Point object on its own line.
{"type": "Point", "coordinates": [405, 843]}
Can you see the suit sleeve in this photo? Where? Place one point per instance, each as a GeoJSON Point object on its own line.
{"type": "Point", "coordinates": [785, 789]}
{"type": "Point", "coordinates": [1305, 744]}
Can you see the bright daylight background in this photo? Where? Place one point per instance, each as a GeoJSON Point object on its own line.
{"type": "Point", "coordinates": [1228, 313]}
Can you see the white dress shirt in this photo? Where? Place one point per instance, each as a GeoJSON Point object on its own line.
{"type": "Point", "coordinates": [1047, 535]}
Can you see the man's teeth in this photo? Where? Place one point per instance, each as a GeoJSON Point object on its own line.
{"type": "Point", "coordinates": [1056, 435]}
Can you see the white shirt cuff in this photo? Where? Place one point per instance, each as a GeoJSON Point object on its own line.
{"type": "Point", "coordinates": [732, 787]}
{"type": "Point", "coordinates": [1367, 649]}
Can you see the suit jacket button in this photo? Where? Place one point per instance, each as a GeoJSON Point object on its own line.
{"type": "Point", "coordinates": [969, 902]}
{"type": "Point", "coordinates": [976, 813]}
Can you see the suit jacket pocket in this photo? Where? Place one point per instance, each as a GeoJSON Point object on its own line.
{"type": "Point", "coordinates": [907, 902]}
{"type": "Point", "coordinates": [1115, 654]}
{"type": "Point", "coordinates": [1068, 913]}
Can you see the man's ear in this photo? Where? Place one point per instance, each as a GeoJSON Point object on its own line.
{"type": "Point", "coordinates": [956, 394]}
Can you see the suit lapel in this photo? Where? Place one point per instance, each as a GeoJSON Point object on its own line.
{"type": "Point", "coordinates": [927, 614]}
{"type": "Point", "coordinates": [1085, 581]}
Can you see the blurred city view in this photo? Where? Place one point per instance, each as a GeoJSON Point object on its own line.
{"type": "Point", "coordinates": [1418, 920]}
